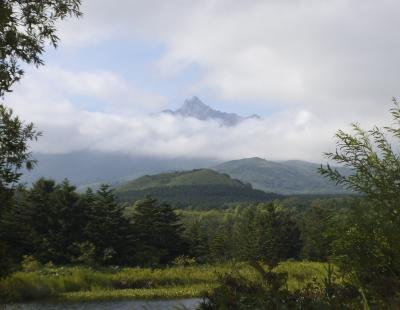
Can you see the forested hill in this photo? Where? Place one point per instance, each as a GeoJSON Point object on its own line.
{"type": "Point", "coordinates": [286, 177]}
{"type": "Point", "coordinates": [197, 188]}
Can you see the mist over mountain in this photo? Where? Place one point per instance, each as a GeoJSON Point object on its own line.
{"type": "Point", "coordinates": [195, 108]}
{"type": "Point", "coordinates": [91, 168]}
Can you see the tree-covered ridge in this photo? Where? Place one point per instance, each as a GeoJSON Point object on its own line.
{"type": "Point", "coordinates": [197, 188]}
{"type": "Point", "coordinates": [194, 177]}
{"type": "Point", "coordinates": [286, 177]}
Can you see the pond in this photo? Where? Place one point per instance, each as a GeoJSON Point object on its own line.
{"type": "Point", "coordinates": [115, 305]}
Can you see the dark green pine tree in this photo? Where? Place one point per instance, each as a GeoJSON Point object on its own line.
{"type": "Point", "coordinates": [45, 221]}
{"type": "Point", "coordinates": [279, 235]}
{"type": "Point", "coordinates": [218, 248]}
{"type": "Point", "coordinates": [107, 229]}
{"type": "Point", "coordinates": [197, 238]}
{"type": "Point", "coordinates": [247, 235]}
{"type": "Point", "coordinates": [28, 223]}
{"type": "Point", "coordinates": [159, 232]}
{"type": "Point", "coordinates": [16, 236]}
{"type": "Point", "coordinates": [70, 214]}
{"type": "Point", "coordinates": [170, 234]}
{"type": "Point", "coordinates": [316, 232]}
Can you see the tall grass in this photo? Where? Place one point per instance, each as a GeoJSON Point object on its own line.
{"type": "Point", "coordinates": [82, 283]}
{"type": "Point", "coordinates": [301, 273]}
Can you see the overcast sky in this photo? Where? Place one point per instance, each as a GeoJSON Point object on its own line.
{"type": "Point", "coordinates": [308, 67]}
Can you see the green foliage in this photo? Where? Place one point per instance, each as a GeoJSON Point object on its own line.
{"type": "Point", "coordinates": [368, 249]}
{"type": "Point", "coordinates": [288, 177]}
{"type": "Point", "coordinates": [26, 27]}
{"type": "Point", "coordinates": [373, 160]}
{"type": "Point", "coordinates": [7, 261]}
{"type": "Point", "coordinates": [194, 177]}
{"type": "Point", "coordinates": [159, 232]}
{"type": "Point", "coordinates": [269, 290]}
{"type": "Point", "coordinates": [279, 235]}
{"type": "Point", "coordinates": [51, 222]}
{"type": "Point", "coordinates": [15, 137]}
{"type": "Point", "coordinates": [45, 222]}
{"type": "Point", "coordinates": [199, 188]}
{"type": "Point", "coordinates": [83, 283]}
{"type": "Point", "coordinates": [29, 264]}
{"type": "Point", "coordinates": [263, 232]}
{"type": "Point", "coordinates": [318, 231]}
{"type": "Point", "coordinates": [107, 230]}
{"type": "Point", "coordinates": [85, 253]}
{"type": "Point", "coordinates": [184, 261]}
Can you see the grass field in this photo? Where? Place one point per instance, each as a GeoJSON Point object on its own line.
{"type": "Point", "coordinates": [85, 284]}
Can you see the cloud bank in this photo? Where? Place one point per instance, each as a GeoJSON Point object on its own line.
{"type": "Point", "coordinates": [320, 64]}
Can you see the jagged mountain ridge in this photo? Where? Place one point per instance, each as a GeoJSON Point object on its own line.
{"type": "Point", "coordinates": [195, 108]}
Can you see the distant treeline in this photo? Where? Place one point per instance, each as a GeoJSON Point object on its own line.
{"type": "Point", "coordinates": [54, 223]}
{"type": "Point", "coordinates": [200, 196]}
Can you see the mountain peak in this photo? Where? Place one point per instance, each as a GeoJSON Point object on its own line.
{"type": "Point", "coordinates": [194, 107]}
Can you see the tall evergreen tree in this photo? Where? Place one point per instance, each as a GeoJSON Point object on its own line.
{"type": "Point", "coordinates": [159, 232]}
{"type": "Point", "coordinates": [197, 238]}
{"type": "Point", "coordinates": [279, 235]}
{"type": "Point", "coordinates": [107, 228]}
{"type": "Point", "coordinates": [46, 221]}
{"type": "Point", "coordinates": [316, 232]}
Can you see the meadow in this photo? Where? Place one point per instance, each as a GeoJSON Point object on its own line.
{"type": "Point", "coordinates": [86, 284]}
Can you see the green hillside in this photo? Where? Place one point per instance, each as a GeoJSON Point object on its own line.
{"type": "Point", "coordinates": [288, 177]}
{"type": "Point", "coordinates": [198, 188]}
{"type": "Point", "coordinates": [193, 177]}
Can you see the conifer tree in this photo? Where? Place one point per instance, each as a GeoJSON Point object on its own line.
{"type": "Point", "coordinates": [159, 232]}
{"type": "Point", "coordinates": [45, 221]}
{"type": "Point", "coordinates": [107, 229]}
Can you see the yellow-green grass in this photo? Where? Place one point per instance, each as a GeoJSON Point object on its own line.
{"type": "Point", "coordinates": [301, 273]}
{"type": "Point", "coordinates": [85, 284]}
{"type": "Point", "coordinates": [171, 292]}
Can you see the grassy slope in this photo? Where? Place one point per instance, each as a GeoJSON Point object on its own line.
{"type": "Point", "coordinates": [83, 284]}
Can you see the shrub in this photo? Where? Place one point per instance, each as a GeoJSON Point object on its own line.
{"type": "Point", "coordinates": [270, 291]}
{"type": "Point", "coordinates": [184, 261]}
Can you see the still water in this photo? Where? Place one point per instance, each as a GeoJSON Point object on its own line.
{"type": "Point", "coordinates": [117, 305]}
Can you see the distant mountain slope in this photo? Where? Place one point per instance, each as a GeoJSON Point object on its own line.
{"type": "Point", "coordinates": [287, 177]}
{"type": "Point", "coordinates": [200, 188]}
{"type": "Point", "coordinates": [194, 107]}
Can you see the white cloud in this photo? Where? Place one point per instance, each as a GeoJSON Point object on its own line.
{"type": "Point", "coordinates": [324, 63]}
{"type": "Point", "coordinates": [314, 53]}
{"type": "Point", "coordinates": [46, 98]}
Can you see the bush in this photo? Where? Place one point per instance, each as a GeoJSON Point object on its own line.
{"type": "Point", "coordinates": [30, 264]}
{"type": "Point", "coordinates": [270, 291]}
{"type": "Point", "coordinates": [184, 261]}
{"type": "Point", "coordinates": [28, 286]}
